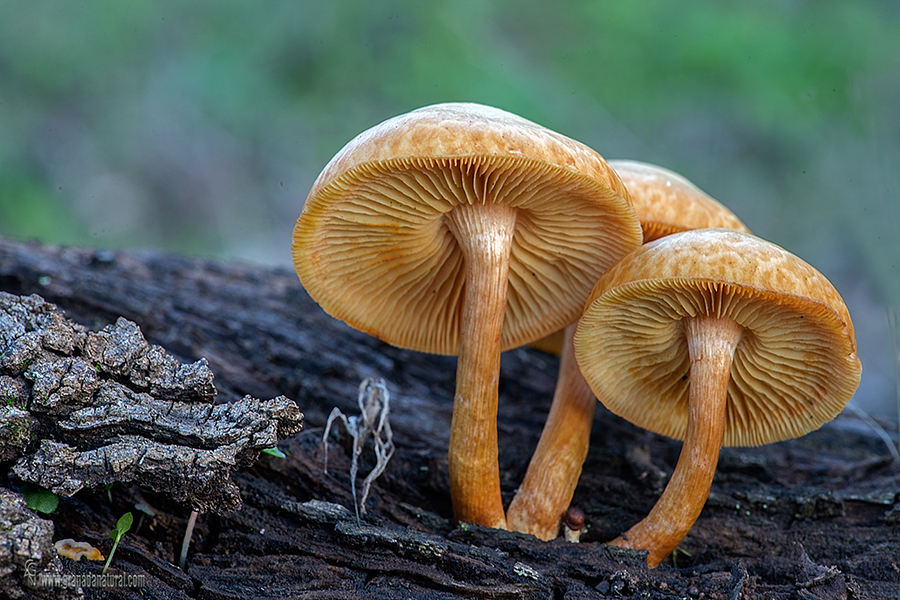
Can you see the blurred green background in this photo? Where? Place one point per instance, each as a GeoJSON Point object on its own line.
{"type": "Point", "coordinates": [200, 126]}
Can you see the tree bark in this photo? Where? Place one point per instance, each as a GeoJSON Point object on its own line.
{"type": "Point", "coordinates": [817, 517]}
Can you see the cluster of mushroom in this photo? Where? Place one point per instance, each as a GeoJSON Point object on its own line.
{"type": "Point", "coordinates": [485, 232]}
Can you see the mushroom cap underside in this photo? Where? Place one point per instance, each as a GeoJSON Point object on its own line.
{"type": "Point", "coordinates": [374, 249]}
{"type": "Point", "coordinates": [666, 202]}
{"type": "Point", "coordinates": [794, 369]}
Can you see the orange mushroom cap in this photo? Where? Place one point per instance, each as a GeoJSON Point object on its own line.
{"type": "Point", "coordinates": [666, 202]}
{"type": "Point", "coordinates": [69, 548]}
{"type": "Point", "coordinates": [795, 368]}
{"type": "Point", "coordinates": [373, 246]}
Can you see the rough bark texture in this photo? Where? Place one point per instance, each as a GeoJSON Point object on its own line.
{"type": "Point", "coordinates": [85, 410]}
{"type": "Point", "coordinates": [815, 518]}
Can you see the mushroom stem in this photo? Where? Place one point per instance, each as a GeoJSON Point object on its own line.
{"type": "Point", "coordinates": [484, 233]}
{"type": "Point", "coordinates": [711, 345]}
{"type": "Point", "coordinates": [555, 466]}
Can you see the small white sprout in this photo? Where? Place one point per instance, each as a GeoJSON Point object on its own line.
{"type": "Point", "coordinates": [374, 406]}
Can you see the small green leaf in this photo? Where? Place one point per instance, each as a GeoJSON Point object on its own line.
{"type": "Point", "coordinates": [124, 523]}
{"type": "Point", "coordinates": [274, 452]}
{"type": "Point", "coordinates": [39, 499]}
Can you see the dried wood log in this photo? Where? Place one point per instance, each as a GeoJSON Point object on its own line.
{"type": "Point", "coordinates": [835, 492]}
{"type": "Point", "coordinates": [86, 410]}
{"type": "Point", "coordinates": [108, 407]}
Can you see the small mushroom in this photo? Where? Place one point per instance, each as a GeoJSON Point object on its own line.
{"type": "Point", "coordinates": [665, 203]}
{"type": "Point", "coordinates": [573, 524]}
{"type": "Point", "coordinates": [69, 548]}
{"type": "Point", "coordinates": [462, 229]}
{"type": "Point", "coordinates": [714, 337]}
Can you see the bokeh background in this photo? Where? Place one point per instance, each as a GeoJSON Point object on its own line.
{"type": "Point", "coordinates": [199, 127]}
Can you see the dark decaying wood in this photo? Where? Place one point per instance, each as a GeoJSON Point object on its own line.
{"type": "Point", "coordinates": [816, 518]}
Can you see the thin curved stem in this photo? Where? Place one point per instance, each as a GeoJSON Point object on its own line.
{"type": "Point", "coordinates": [484, 233]}
{"type": "Point", "coordinates": [711, 344]}
{"type": "Point", "coordinates": [186, 542]}
{"type": "Point", "coordinates": [555, 466]}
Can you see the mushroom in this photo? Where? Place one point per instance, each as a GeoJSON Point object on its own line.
{"type": "Point", "coordinates": [665, 203]}
{"type": "Point", "coordinates": [573, 524]}
{"type": "Point", "coordinates": [714, 337]}
{"type": "Point", "coordinates": [462, 229]}
{"type": "Point", "coordinates": [69, 548]}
